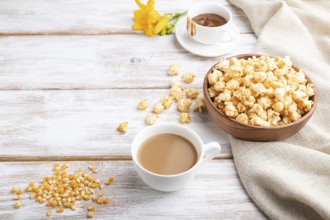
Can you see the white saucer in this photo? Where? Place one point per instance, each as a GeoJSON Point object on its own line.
{"type": "Point", "coordinates": [204, 50]}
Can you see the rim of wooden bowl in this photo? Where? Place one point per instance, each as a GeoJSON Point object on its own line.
{"type": "Point", "coordinates": [245, 56]}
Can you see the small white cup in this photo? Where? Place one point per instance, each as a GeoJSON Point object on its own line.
{"type": "Point", "coordinates": [209, 35]}
{"type": "Point", "coordinates": [167, 183]}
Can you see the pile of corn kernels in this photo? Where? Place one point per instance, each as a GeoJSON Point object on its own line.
{"type": "Point", "coordinates": [62, 190]}
{"type": "Point", "coordinates": [261, 91]}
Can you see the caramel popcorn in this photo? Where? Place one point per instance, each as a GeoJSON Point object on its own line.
{"type": "Point", "coordinates": [188, 77]}
{"type": "Point", "coordinates": [122, 127]}
{"type": "Point", "coordinates": [184, 118]}
{"type": "Point", "coordinates": [143, 105]}
{"type": "Point", "coordinates": [260, 91]}
{"type": "Point", "coordinates": [151, 119]}
{"type": "Point", "coordinates": [184, 105]}
{"type": "Point", "coordinates": [199, 105]}
{"type": "Point", "coordinates": [192, 93]}
{"type": "Point", "coordinates": [173, 69]}
{"type": "Point", "coordinates": [158, 108]}
{"type": "Point", "coordinates": [176, 92]}
{"type": "Point", "coordinates": [166, 101]}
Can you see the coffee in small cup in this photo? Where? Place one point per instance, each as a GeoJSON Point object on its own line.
{"type": "Point", "coordinates": [167, 154]}
{"type": "Point", "coordinates": [209, 20]}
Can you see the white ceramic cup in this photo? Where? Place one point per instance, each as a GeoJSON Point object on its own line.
{"type": "Point", "coordinates": [174, 182]}
{"type": "Point", "coordinates": [210, 35]}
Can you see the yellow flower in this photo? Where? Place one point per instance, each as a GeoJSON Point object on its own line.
{"type": "Point", "coordinates": [146, 17]}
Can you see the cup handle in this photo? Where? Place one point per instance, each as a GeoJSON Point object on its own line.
{"type": "Point", "coordinates": [211, 150]}
{"type": "Point", "coordinates": [231, 36]}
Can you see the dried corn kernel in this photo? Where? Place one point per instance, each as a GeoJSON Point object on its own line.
{"type": "Point", "coordinates": [106, 201]}
{"type": "Point", "coordinates": [142, 105]}
{"type": "Point", "coordinates": [60, 209]}
{"type": "Point", "coordinates": [90, 214]}
{"type": "Point", "coordinates": [14, 189]}
{"type": "Point", "coordinates": [110, 180]}
{"type": "Point", "coordinates": [17, 197]}
{"type": "Point", "coordinates": [91, 208]}
{"type": "Point", "coordinates": [17, 205]}
{"type": "Point", "coordinates": [122, 127]}
{"type": "Point", "coordinates": [50, 212]}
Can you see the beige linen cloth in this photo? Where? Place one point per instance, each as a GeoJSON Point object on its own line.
{"type": "Point", "coordinates": [290, 179]}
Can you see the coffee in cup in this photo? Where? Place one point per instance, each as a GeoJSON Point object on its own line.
{"type": "Point", "coordinates": [210, 23]}
{"type": "Point", "coordinates": [168, 156]}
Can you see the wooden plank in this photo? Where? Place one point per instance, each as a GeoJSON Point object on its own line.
{"type": "Point", "coordinates": [80, 123]}
{"type": "Point", "coordinates": [215, 193]}
{"type": "Point", "coordinates": [85, 17]}
{"type": "Point", "coordinates": [84, 62]}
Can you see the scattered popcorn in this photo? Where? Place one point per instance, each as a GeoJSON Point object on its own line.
{"type": "Point", "coordinates": [122, 127]}
{"type": "Point", "coordinates": [260, 91]}
{"type": "Point", "coordinates": [199, 105]}
{"type": "Point", "coordinates": [188, 77]}
{"type": "Point", "coordinates": [143, 105]}
{"type": "Point", "coordinates": [176, 92]}
{"type": "Point", "coordinates": [184, 118]}
{"type": "Point", "coordinates": [184, 105]}
{"type": "Point", "coordinates": [158, 108]}
{"type": "Point", "coordinates": [166, 101]}
{"type": "Point", "coordinates": [151, 119]}
{"type": "Point", "coordinates": [173, 69]}
{"type": "Point", "coordinates": [192, 93]}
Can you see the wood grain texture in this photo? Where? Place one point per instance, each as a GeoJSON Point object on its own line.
{"type": "Point", "coordinates": [215, 193]}
{"type": "Point", "coordinates": [60, 17]}
{"type": "Point", "coordinates": [83, 122]}
{"type": "Point", "coordinates": [96, 62]}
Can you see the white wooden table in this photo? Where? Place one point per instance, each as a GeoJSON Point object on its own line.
{"type": "Point", "coordinates": [70, 71]}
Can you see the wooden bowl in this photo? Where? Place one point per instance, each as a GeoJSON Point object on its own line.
{"type": "Point", "coordinates": [250, 132]}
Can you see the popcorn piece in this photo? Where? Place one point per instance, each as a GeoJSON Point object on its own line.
{"type": "Point", "coordinates": [173, 69]}
{"type": "Point", "coordinates": [184, 118]}
{"type": "Point", "coordinates": [158, 108]}
{"type": "Point", "coordinates": [225, 96]}
{"type": "Point", "coordinates": [184, 105]}
{"type": "Point", "coordinates": [212, 78]}
{"type": "Point", "coordinates": [122, 127]}
{"type": "Point", "coordinates": [176, 92]}
{"type": "Point", "coordinates": [166, 101]}
{"type": "Point", "coordinates": [199, 105]}
{"type": "Point", "coordinates": [219, 86]}
{"type": "Point", "coordinates": [151, 119]}
{"type": "Point", "coordinates": [143, 105]}
{"type": "Point", "coordinates": [188, 77]}
{"type": "Point", "coordinates": [243, 118]}
{"type": "Point", "coordinates": [192, 93]}
{"type": "Point", "coordinates": [278, 106]}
